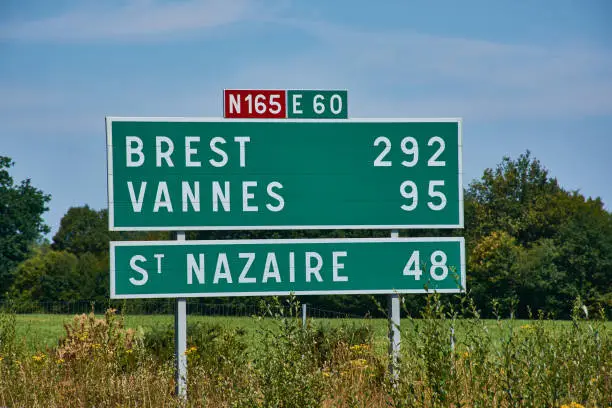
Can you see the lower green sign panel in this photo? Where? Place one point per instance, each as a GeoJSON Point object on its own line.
{"type": "Point", "coordinates": [170, 269]}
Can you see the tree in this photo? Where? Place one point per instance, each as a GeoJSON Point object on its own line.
{"type": "Point", "coordinates": [82, 230]}
{"type": "Point", "coordinates": [46, 276]}
{"type": "Point", "coordinates": [84, 233]}
{"type": "Point", "coordinates": [531, 243]}
{"type": "Point", "coordinates": [585, 251]}
{"type": "Point", "coordinates": [516, 198]}
{"type": "Point", "coordinates": [93, 271]}
{"type": "Point", "coordinates": [493, 270]}
{"type": "Point", "coordinates": [21, 223]}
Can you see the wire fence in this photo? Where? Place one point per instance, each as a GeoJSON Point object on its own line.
{"type": "Point", "coordinates": [157, 306]}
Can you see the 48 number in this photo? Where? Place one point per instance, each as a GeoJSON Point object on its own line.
{"type": "Point", "coordinates": [438, 269]}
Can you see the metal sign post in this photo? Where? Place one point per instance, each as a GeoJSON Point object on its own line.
{"type": "Point", "coordinates": [180, 340]}
{"type": "Point", "coordinates": [393, 305]}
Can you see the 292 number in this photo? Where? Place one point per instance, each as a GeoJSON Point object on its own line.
{"type": "Point", "coordinates": [410, 148]}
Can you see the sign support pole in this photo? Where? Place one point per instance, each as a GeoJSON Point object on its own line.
{"type": "Point", "coordinates": [393, 311]}
{"type": "Point", "coordinates": [180, 340]}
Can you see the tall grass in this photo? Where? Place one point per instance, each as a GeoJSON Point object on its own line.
{"type": "Point", "coordinates": [449, 358]}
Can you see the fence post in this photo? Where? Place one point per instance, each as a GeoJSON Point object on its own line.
{"type": "Point", "coordinates": [304, 315]}
{"type": "Point", "coordinates": [180, 340]}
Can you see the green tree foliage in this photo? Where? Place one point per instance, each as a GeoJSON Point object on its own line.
{"type": "Point", "coordinates": [21, 223]}
{"type": "Point", "coordinates": [531, 243]}
{"type": "Point", "coordinates": [83, 230]}
{"type": "Point", "coordinates": [48, 275]}
{"type": "Point", "coordinates": [585, 252]}
{"type": "Point", "coordinates": [93, 270]}
{"type": "Point", "coordinates": [84, 233]}
{"type": "Point", "coordinates": [515, 197]}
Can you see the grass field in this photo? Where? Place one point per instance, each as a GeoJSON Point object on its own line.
{"type": "Point", "coordinates": [41, 331]}
{"type": "Point", "coordinates": [113, 360]}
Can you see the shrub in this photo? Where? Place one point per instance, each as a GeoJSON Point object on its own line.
{"type": "Point", "coordinates": [88, 337]}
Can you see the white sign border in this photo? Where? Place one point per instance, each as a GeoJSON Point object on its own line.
{"type": "Point", "coordinates": [114, 244]}
{"type": "Point", "coordinates": [109, 167]}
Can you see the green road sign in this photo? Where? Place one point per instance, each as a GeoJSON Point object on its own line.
{"type": "Point", "coordinates": [158, 269]}
{"type": "Point", "coordinates": [215, 174]}
{"type": "Point", "coordinates": [314, 104]}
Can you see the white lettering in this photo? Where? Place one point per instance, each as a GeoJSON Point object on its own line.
{"type": "Point", "coordinates": [291, 267]}
{"type": "Point", "coordinates": [271, 268]}
{"type": "Point", "coordinates": [213, 146]}
{"type": "Point", "coordinates": [276, 196]}
{"type": "Point", "coordinates": [336, 266]}
{"type": "Point", "coordinates": [242, 141]}
{"type": "Point", "coordinates": [246, 196]}
{"type": "Point", "coordinates": [191, 196]}
{"type": "Point", "coordinates": [313, 270]}
{"type": "Point", "coordinates": [159, 258]}
{"type": "Point", "coordinates": [137, 203]}
{"type": "Point", "coordinates": [297, 103]}
{"type": "Point", "coordinates": [250, 258]}
{"type": "Point", "coordinates": [189, 151]}
{"type": "Point", "coordinates": [162, 190]}
{"type": "Point", "coordinates": [222, 264]}
{"type": "Point", "coordinates": [160, 154]}
{"type": "Point", "coordinates": [195, 267]}
{"type": "Point", "coordinates": [224, 196]}
{"type": "Point", "coordinates": [234, 103]}
{"type": "Point", "coordinates": [130, 150]}
{"type": "Point", "coordinates": [140, 270]}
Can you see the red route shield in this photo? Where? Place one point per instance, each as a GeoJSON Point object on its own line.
{"type": "Point", "coordinates": [254, 104]}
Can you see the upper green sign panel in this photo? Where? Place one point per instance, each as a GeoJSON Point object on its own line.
{"type": "Point", "coordinates": [213, 174]}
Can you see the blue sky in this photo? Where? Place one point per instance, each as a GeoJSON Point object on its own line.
{"type": "Point", "coordinates": [524, 75]}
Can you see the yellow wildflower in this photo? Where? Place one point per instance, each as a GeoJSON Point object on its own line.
{"type": "Point", "coordinates": [95, 346]}
{"type": "Point", "coordinates": [572, 405]}
{"type": "Point", "coordinates": [190, 350]}
{"type": "Point", "coordinates": [360, 347]}
{"type": "Point", "coordinates": [326, 374]}
{"type": "Point", "coordinates": [526, 327]}
{"type": "Point", "coordinates": [59, 360]}
{"type": "Point", "coordinates": [38, 357]}
{"type": "Point", "coordinates": [359, 363]}
{"type": "Point", "coordinates": [130, 351]}
{"type": "Point", "coordinates": [1, 358]}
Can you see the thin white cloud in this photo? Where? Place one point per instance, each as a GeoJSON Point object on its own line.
{"type": "Point", "coordinates": [407, 73]}
{"type": "Point", "coordinates": [136, 19]}
{"type": "Point", "coordinates": [386, 73]}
